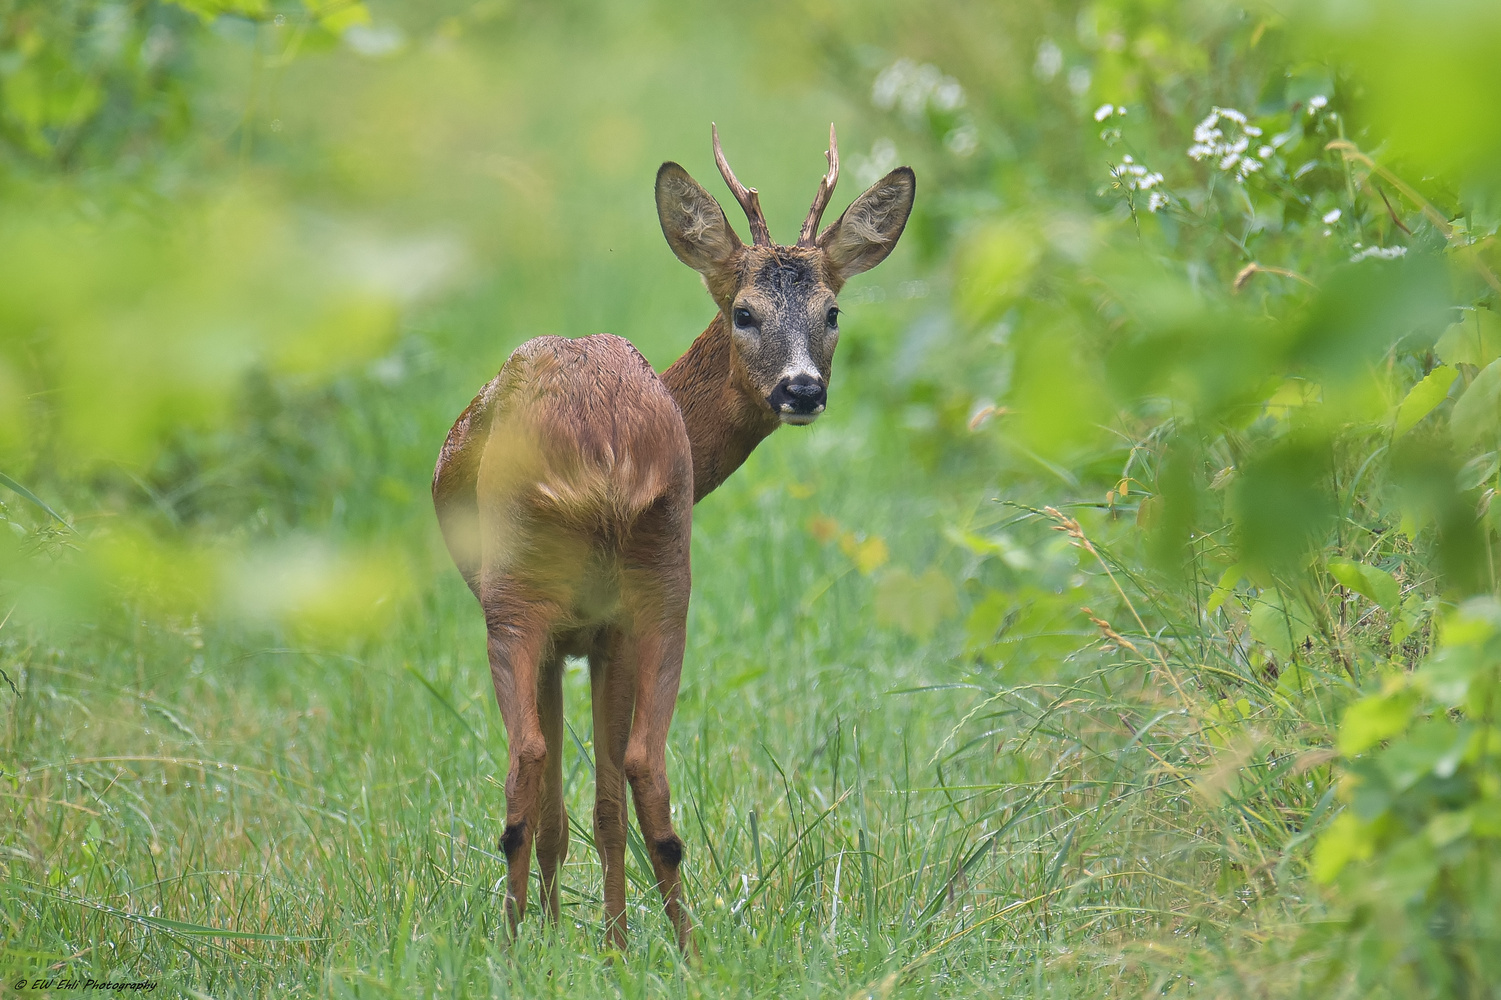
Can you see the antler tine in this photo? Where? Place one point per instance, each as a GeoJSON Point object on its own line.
{"type": "Point", "coordinates": [748, 198]}
{"type": "Point", "coordinates": [825, 189]}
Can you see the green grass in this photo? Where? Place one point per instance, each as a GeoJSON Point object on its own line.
{"type": "Point", "coordinates": [239, 813]}
{"type": "Point", "coordinates": [351, 801]}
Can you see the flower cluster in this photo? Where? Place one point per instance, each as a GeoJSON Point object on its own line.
{"type": "Point", "coordinates": [1380, 253]}
{"type": "Point", "coordinates": [914, 88]}
{"type": "Point", "coordinates": [1106, 113]}
{"type": "Point", "coordinates": [1133, 176]}
{"type": "Point", "coordinates": [1225, 137]}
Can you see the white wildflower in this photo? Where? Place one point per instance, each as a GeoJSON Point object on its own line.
{"type": "Point", "coordinates": [1380, 253]}
{"type": "Point", "coordinates": [374, 41]}
{"type": "Point", "coordinates": [914, 88]}
{"type": "Point", "coordinates": [948, 95]}
{"type": "Point", "coordinates": [1331, 216]}
{"type": "Point", "coordinates": [1227, 148]}
{"type": "Point", "coordinates": [1316, 102]}
{"type": "Point", "coordinates": [1133, 176]}
{"type": "Point", "coordinates": [1049, 59]}
{"type": "Point", "coordinates": [1265, 152]}
{"type": "Point", "coordinates": [1104, 111]}
{"type": "Point", "coordinates": [963, 140]}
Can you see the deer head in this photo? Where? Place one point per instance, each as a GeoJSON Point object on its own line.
{"type": "Point", "coordinates": [780, 302]}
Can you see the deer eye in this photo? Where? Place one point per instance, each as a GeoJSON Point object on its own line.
{"type": "Point", "coordinates": [833, 317]}
{"type": "Point", "coordinates": [743, 317]}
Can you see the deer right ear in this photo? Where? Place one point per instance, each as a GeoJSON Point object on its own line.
{"type": "Point", "coordinates": [694, 224]}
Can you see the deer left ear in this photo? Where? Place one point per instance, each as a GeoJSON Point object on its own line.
{"type": "Point", "coordinates": [868, 230]}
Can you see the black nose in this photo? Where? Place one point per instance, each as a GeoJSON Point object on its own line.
{"type": "Point", "coordinates": [800, 395]}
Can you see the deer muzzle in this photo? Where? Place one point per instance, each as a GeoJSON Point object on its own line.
{"type": "Point", "coordinates": [799, 399]}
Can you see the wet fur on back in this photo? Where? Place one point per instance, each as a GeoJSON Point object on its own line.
{"type": "Point", "coordinates": [577, 437]}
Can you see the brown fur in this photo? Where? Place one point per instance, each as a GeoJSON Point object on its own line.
{"type": "Point", "coordinates": [565, 493]}
{"type": "Point", "coordinates": [724, 421]}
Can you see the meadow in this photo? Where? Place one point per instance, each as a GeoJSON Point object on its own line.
{"type": "Point", "coordinates": [1129, 625]}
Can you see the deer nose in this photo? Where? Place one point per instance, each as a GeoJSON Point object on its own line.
{"type": "Point", "coordinates": [799, 396]}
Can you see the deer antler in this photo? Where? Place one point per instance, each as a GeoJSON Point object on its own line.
{"type": "Point", "coordinates": [748, 198]}
{"type": "Point", "coordinates": [809, 235]}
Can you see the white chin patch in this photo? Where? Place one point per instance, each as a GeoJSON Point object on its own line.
{"type": "Point", "coordinates": [800, 419]}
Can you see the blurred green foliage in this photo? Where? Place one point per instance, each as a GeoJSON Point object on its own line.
{"type": "Point", "coordinates": [1205, 296]}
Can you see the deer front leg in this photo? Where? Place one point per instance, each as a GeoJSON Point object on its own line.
{"type": "Point", "coordinates": [518, 637]}
{"type": "Point", "coordinates": [659, 657]}
{"type": "Point", "coordinates": [612, 691]}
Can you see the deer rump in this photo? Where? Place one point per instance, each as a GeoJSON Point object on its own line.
{"type": "Point", "coordinates": [570, 468]}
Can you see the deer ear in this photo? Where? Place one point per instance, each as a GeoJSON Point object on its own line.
{"type": "Point", "coordinates": [693, 222]}
{"type": "Point", "coordinates": [868, 230]}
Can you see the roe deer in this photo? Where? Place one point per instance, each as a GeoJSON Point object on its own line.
{"type": "Point", "coordinates": [565, 494]}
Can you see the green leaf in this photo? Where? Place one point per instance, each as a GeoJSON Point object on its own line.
{"type": "Point", "coordinates": [1344, 841]}
{"type": "Point", "coordinates": [1473, 623]}
{"type": "Point", "coordinates": [1433, 749]}
{"type": "Point", "coordinates": [28, 495]}
{"type": "Point", "coordinates": [915, 605]}
{"type": "Point", "coordinates": [1405, 624]}
{"type": "Point", "coordinates": [1477, 414]}
{"type": "Point", "coordinates": [1225, 587]}
{"type": "Point", "coordinates": [338, 16]}
{"type": "Point", "coordinates": [1279, 624]}
{"type": "Point", "coordinates": [207, 10]}
{"type": "Point", "coordinates": [994, 268]}
{"type": "Point", "coordinates": [1446, 676]}
{"type": "Point", "coordinates": [1485, 818]}
{"type": "Point", "coordinates": [1367, 581]}
{"type": "Point", "coordinates": [1474, 340]}
{"type": "Point", "coordinates": [1423, 397]}
{"type": "Point", "coordinates": [987, 620]}
{"type": "Point", "coordinates": [1373, 719]}
{"type": "Point", "coordinates": [1407, 869]}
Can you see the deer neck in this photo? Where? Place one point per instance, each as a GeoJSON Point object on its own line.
{"type": "Point", "coordinates": [724, 423]}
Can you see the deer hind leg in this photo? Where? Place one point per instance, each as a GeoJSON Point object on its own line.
{"type": "Point", "coordinates": [659, 639]}
{"type": "Point", "coordinates": [552, 822]}
{"type": "Point", "coordinates": [661, 658]}
{"type": "Point", "coordinates": [612, 691]}
{"type": "Point", "coordinates": [518, 641]}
